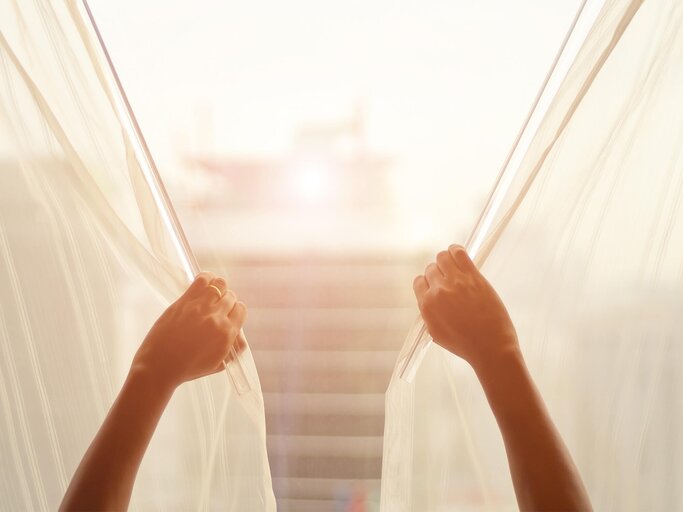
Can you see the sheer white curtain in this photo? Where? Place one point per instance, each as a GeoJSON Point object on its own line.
{"type": "Point", "coordinates": [86, 264]}
{"type": "Point", "coordinates": [586, 249]}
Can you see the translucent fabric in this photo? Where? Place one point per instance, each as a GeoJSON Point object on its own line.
{"type": "Point", "coordinates": [583, 239]}
{"type": "Point", "coordinates": [87, 263]}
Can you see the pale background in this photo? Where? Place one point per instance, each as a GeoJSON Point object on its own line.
{"type": "Point", "coordinates": [319, 154]}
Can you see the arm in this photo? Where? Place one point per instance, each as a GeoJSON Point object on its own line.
{"type": "Point", "coordinates": [191, 339]}
{"type": "Point", "coordinates": [465, 315]}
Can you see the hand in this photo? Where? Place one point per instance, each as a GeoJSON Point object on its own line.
{"type": "Point", "coordinates": [194, 335]}
{"type": "Point", "coordinates": [462, 310]}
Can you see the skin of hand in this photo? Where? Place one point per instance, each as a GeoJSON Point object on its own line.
{"type": "Point", "coordinates": [191, 339]}
{"type": "Point", "coordinates": [194, 335]}
{"type": "Point", "coordinates": [465, 315]}
{"type": "Point", "coordinates": [463, 312]}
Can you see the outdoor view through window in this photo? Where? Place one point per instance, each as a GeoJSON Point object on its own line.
{"type": "Point", "coordinates": [318, 155]}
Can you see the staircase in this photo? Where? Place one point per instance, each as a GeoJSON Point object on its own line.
{"type": "Point", "coordinates": [325, 332]}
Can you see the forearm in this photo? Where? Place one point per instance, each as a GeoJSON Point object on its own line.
{"type": "Point", "coordinates": [543, 473]}
{"type": "Point", "coordinates": [105, 477]}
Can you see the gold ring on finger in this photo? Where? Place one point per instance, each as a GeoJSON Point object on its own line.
{"type": "Point", "coordinates": [220, 293]}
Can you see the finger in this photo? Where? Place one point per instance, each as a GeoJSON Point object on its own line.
{"type": "Point", "coordinates": [226, 303]}
{"type": "Point", "coordinates": [241, 343]}
{"type": "Point", "coordinates": [199, 284]}
{"type": "Point", "coordinates": [239, 346]}
{"type": "Point", "coordinates": [219, 286]}
{"type": "Point", "coordinates": [446, 264]}
{"type": "Point", "coordinates": [461, 258]}
{"type": "Point", "coordinates": [433, 275]}
{"type": "Point", "coordinates": [214, 291]}
{"type": "Point", "coordinates": [238, 315]}
{"type": "Point", "coordinates": [420, 287]}
{"type": "Point", "coordinates": [220, 283]}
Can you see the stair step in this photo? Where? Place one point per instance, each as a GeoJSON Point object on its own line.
{"type": "Point", "coordinates": [360, 468]}
{"type": "Point", "coordinates": [325, 381]}
{"type": "Point", "coordinates": [361, 447]}
{"type": "Point", "coordinates": [389, 339]}
{"type": "Point", "coordinates": [303, 295]}
{"type": "Point", "coordinates": [329, 329]}
{"type": "Point", "coordinates": [317, 403]}
{"type": "Point", "coordinates": [303, 505]}
{"type": "Point", "coordinates": [347, 362]}
{"type": "Point", "coordinates": [320, 488]}
{"type": "Point", "coordinates": [327, 424]}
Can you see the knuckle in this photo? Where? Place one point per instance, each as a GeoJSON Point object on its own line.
{"type": "Point", "coordinates": [427, 312]}
{"type": "Point", "coordinates": [428, 299]}
{"type": "Point", "coordinates": [423, 306]}
{"type": "Point", "coordinates": [456, 250]}
{"type": "Point", "coordinates": [240, 309]}
{"type": "Point", "coordinates": [193, 309]}
{"type": "Point", "coordinates": [220, 282]}
{"type": "Point", "coordinates": [442, 291]}
{"type": "Point", "coordinates": [439, 294]}
{"type": "Point", "coordinates": [214, 324]}
{"type": "Point", "coordinates": [211, 322]}
{"type": "Point", "coordinates": [232, 332]}
{"type": "Point", "coordinates": [433, 272]}
{"type": "Point", "coordinates": [227, 337]}
{"type": "Point", "coordinates": [459, 254]}
{"type": "Point", "coordinates": [204, 277]}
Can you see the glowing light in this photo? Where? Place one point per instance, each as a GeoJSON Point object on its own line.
{"type": "Point", "coordinates": [312, 181]}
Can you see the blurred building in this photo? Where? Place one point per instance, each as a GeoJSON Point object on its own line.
{"type": "Point", "coordinates": [329, 167]}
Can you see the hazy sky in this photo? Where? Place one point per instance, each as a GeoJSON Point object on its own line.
{"type": "Point", "coordinates": [445, 84]}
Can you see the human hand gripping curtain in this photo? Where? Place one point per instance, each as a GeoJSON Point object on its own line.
{"type": "Point", "coordinates": [190, 339]}
{"type": "Point", "coordinates": [465, 315]}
